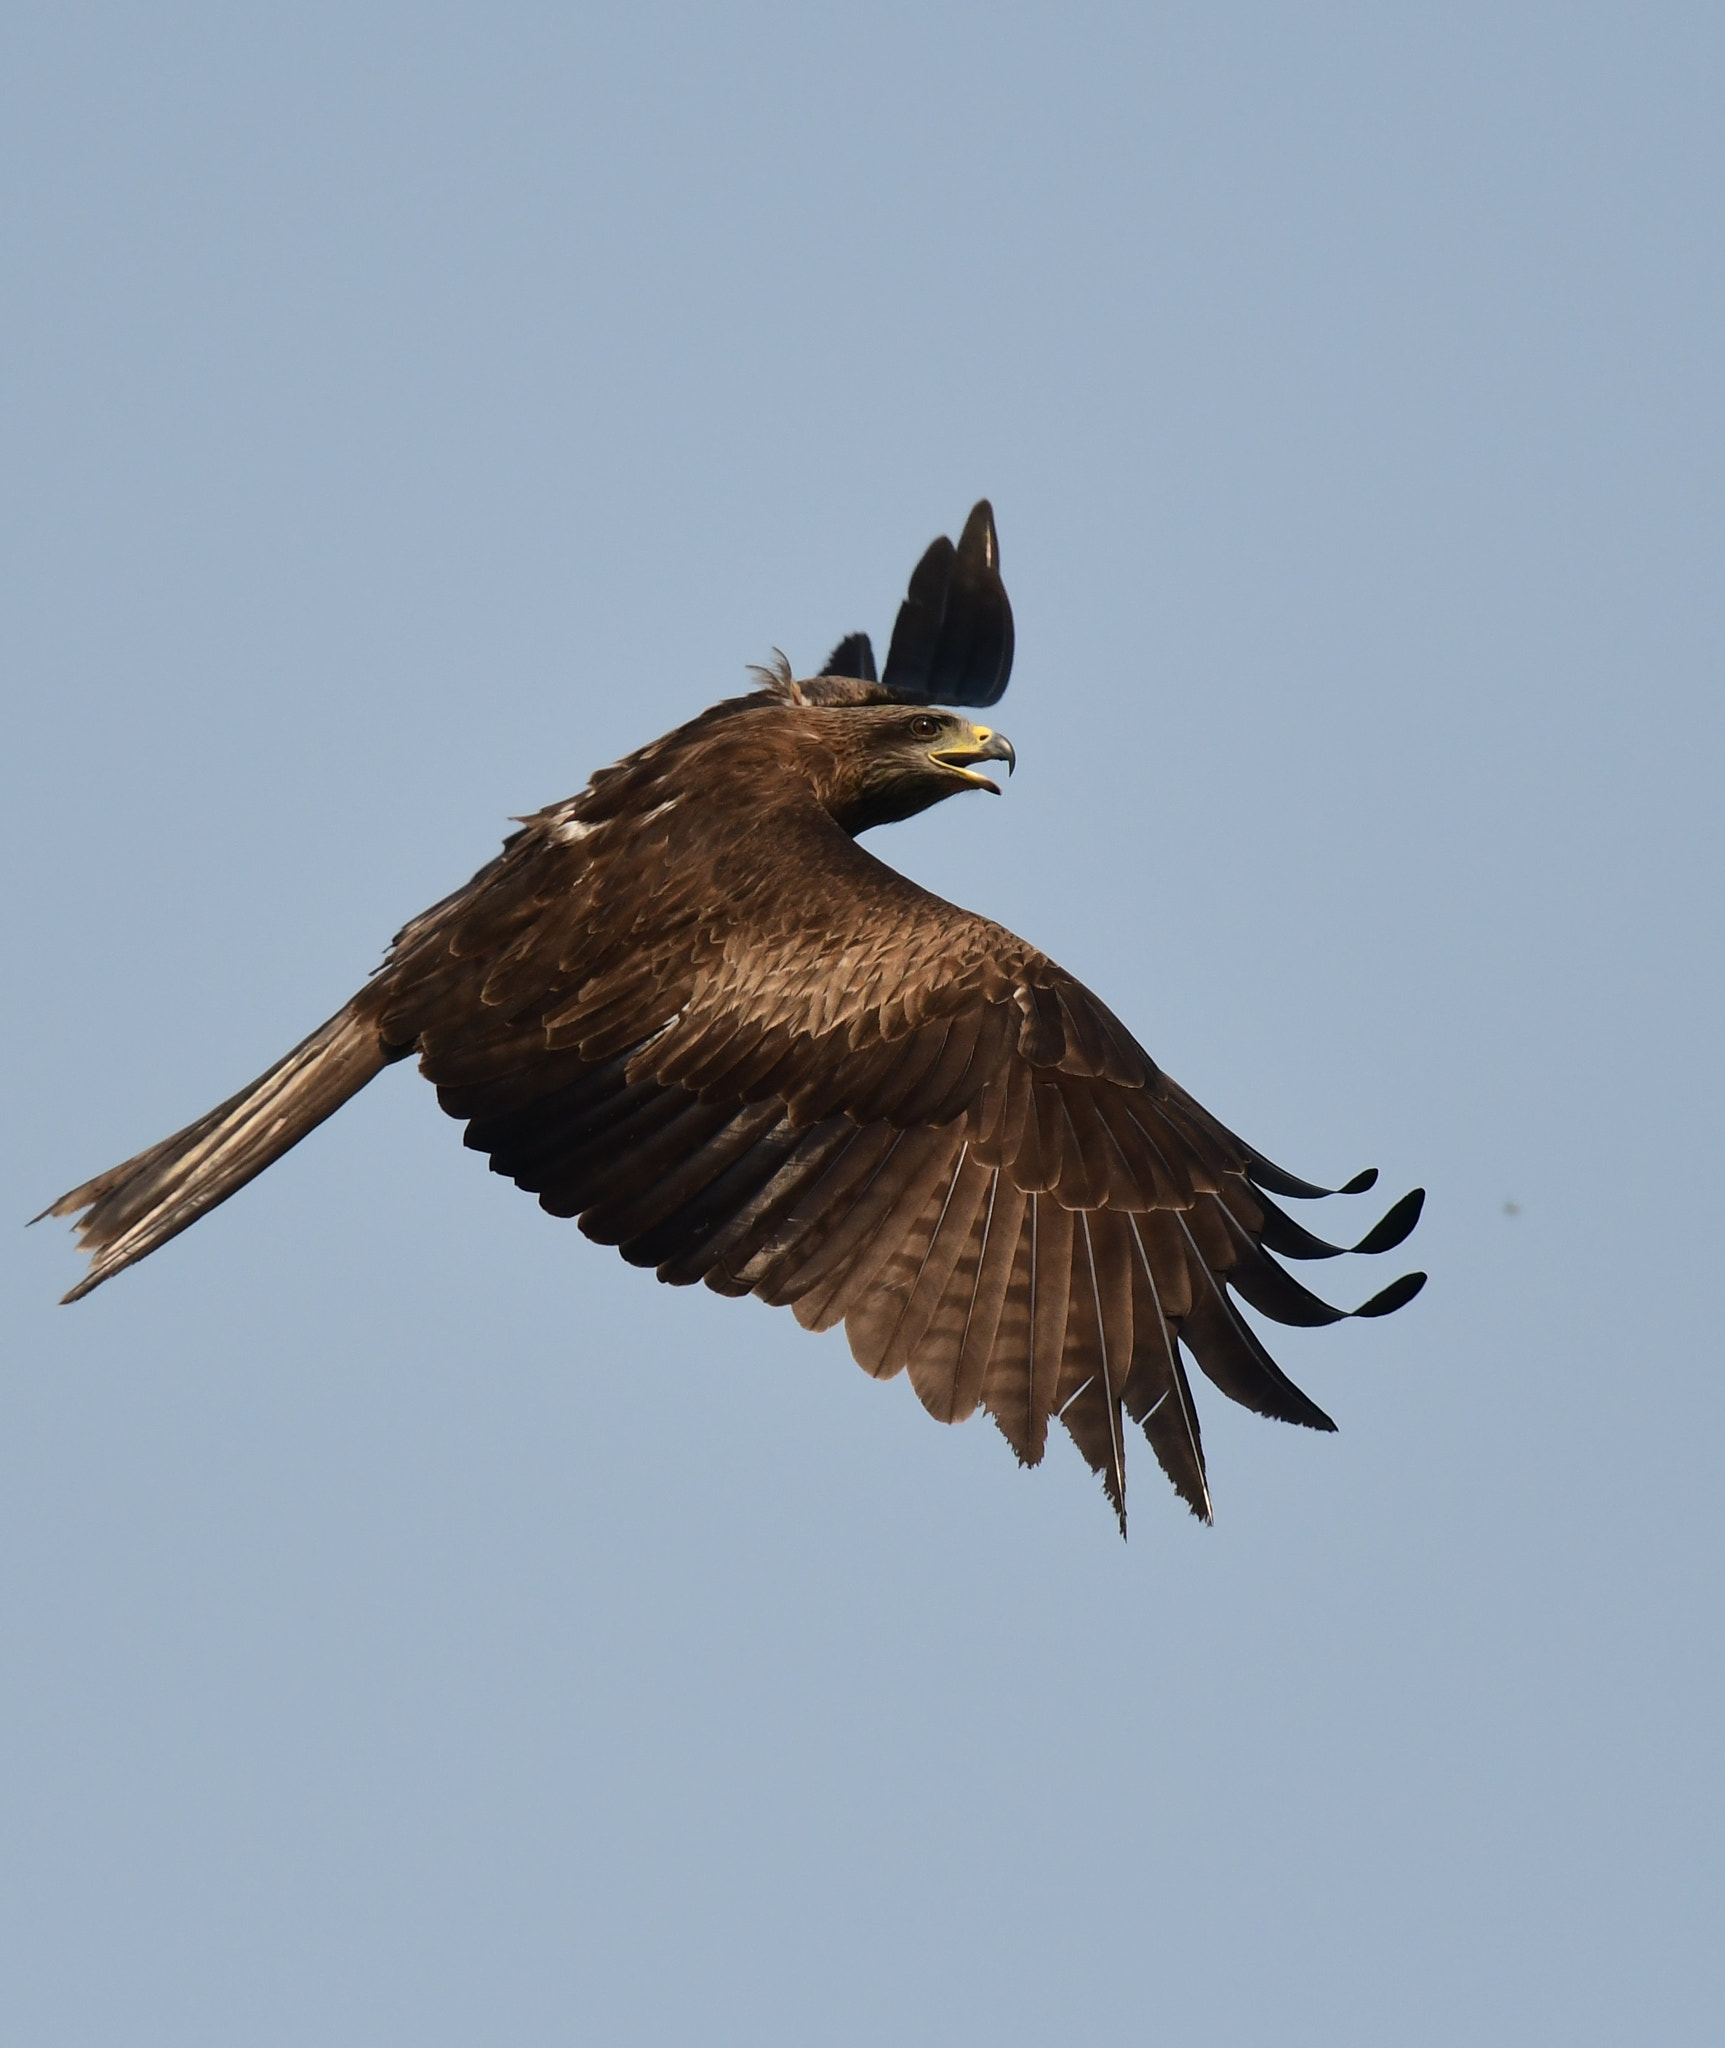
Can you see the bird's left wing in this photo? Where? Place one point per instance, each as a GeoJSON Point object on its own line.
{"type": "Point", "coordinates": [952, 641]}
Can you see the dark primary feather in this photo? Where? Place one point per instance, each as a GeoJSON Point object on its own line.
{"type": "Point", "coordinates": [953, 639]}
{"type": "Point", "coordinates": [853, 656]}
{"type": "Point", "coordinates": [687, 1008]}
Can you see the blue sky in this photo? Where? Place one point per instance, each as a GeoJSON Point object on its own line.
{"type": "Point", "coordinates": [415, 1624]}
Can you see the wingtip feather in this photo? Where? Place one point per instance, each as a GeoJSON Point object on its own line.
{"type": "Point", "coordinates": [1396, 1295]}
{"type": "Point", "coordinates": [1395, 1225]}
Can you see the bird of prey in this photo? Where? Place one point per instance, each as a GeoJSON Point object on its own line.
{"type": "Point", "coordinates": [688, 1008]}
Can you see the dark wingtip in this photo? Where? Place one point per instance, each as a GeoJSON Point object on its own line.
{"type": "Point", "coordinates": [853, 656]}
{"type": "Point", "coordinates": [1394, 1225]}
{"type": "Point", "coordinates": [1396, 1295]}
{"type": "Point", "coordinates": [952, 642]}
{"type": "Point", "coordinates": [979, 542]}
{"type": "Point", "coordinates": [1277, 1180]}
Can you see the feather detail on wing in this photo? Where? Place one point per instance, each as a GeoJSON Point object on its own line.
{"type": "Point", "coordinates": [892, 1115]}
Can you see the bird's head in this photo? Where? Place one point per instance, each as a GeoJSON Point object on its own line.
{"type": "Point", "coordinates": [884, 762]}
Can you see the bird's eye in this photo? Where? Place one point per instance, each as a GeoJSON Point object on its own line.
{"type": "Point", "coordinates": [925, 728]}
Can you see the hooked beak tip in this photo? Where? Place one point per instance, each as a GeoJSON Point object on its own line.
{"type": "Point", "coordinates": [988, 746]}
{"type": "Point", "coordinates": [995, 746]}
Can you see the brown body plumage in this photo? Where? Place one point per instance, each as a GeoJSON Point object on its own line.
{"type": "Point", "coordinates": [689, 1009]}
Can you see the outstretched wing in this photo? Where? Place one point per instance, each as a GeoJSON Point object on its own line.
{"type": "Point", "coordinates": [851, 1098]}
{"type": "Point", "coordinates": [952, 642]}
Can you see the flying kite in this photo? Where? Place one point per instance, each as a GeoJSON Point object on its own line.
{"type": "Point", "coordinates": [687, 1008]}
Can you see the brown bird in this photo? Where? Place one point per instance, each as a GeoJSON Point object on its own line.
{"type": "Point", "coordinates": [687, 1008]}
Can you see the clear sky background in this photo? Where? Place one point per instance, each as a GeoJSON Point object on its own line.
{"type": "Point", "coordinates": [417, 1625]}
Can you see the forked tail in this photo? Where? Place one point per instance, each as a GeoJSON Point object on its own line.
{"type": "Point", "coordinates": [132, 1208]}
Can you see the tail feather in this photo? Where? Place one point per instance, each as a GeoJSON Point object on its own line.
{"type": "Point", "coordinates": [136, 1206]}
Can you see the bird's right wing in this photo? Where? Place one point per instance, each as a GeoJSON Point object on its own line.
{"type": "Point", "coordinates": [876, 1109]}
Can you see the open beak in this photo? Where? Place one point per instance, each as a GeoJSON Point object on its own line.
{"type": "Point", "coordinates": [984, 744]}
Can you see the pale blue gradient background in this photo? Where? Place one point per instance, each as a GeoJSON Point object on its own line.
{"type": "Point", "coordinates": [420, 1627]}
